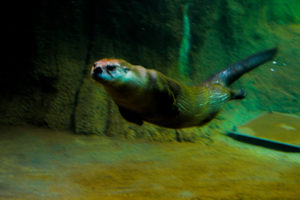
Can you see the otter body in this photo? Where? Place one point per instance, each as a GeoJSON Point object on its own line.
{"type": "Point", "coordinates": [148, 95]}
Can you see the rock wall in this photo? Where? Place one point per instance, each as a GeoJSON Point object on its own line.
{"type": "Point", "coordinates": [51, 45]}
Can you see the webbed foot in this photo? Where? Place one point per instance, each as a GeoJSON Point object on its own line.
{"type": "Point", "coordinates": [238, 94]}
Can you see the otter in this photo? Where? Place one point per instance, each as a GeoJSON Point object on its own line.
{"type": "Point", "coordinates": [148, 95]}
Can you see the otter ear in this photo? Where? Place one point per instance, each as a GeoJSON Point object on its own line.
{"type": "Point", "coordinates": [126, 69]}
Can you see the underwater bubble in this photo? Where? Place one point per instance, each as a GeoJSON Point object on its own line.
{"type": "Point", "coordinates": [274, 62]}
{"type": "Point", "coordinates": [272, 69]}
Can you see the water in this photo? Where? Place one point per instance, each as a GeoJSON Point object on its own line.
{"type": "Point", "coordinates": [45, 82]}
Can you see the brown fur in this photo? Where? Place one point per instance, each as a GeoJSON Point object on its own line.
{"type": "Point", "coordinates": [148, 95]}
{"type": "Point", "coordinates": [165, 101]}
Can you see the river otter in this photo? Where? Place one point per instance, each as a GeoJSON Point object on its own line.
{"type": "Point", "coordinates": [148, 95]}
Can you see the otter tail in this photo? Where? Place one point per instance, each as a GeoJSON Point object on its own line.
{"type": "Point", "coordinates": [235, 71]}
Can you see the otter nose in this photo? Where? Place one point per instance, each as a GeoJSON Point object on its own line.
{"type": "Point", "coordinates": [97, 70]}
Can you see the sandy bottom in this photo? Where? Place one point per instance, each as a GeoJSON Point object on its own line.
{"type": "Point", "coordinates": [43, 164]}
{"type": "Point", "coordinates": [275, 126]}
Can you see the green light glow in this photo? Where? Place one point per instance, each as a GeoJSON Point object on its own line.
{"type": "Point", "coordinates": [185, 43]}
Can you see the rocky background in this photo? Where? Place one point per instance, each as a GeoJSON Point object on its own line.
{"type": "Point", "coordinates": [49, 47]}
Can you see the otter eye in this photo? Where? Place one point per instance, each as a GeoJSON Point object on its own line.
{"type": "Point", "coordinates": [110, 67]}
{"type": "Point", "coordinates": [126, 69]}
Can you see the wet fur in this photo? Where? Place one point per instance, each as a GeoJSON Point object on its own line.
{"type": "Point", "coordinates": [147, 95]}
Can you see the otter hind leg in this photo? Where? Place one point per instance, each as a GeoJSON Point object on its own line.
{"type": "Point", "coordinates": [130, 116]}
{"type": "Point", "coordinates": [238, 94]}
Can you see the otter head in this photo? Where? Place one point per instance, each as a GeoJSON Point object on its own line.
{"type": "Point", "coordinates": [120, 79]}
{"type": "Point", "coordinates": [110, 71]}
